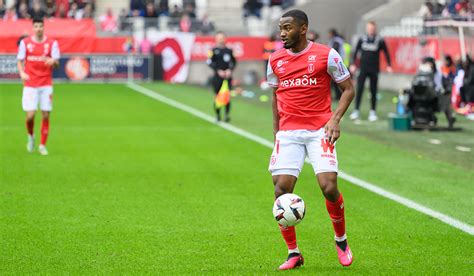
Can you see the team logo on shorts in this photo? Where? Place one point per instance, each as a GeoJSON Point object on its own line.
{"type": "Point", "coordinates": [273, 160]}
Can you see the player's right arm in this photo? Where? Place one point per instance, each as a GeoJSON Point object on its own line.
{"type": "Point", "coordinates": [21, 61]}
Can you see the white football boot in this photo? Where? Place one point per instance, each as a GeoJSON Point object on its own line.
{"type": "Point", "coordinates": [42, 150]}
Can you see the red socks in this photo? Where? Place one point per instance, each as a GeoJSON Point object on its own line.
{"type": "Point", "coordinates": [30, 126]}
{"type": "Point", "coordinates": [44, 131]}
{"type": "Point", "coordinates": [289, 235]}
{"type": "Point", "coordinates": [336, 212]}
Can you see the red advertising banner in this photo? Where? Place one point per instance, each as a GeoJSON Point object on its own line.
{"type": "Point", "coordinates": [74, 36]}
{"type": "Point", "coordinates": [245, 48]}
{"type": "Point", "coordinates": [407, 53]}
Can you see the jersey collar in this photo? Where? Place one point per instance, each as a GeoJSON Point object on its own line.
{"type": "Point", "coordinates": [310, 43]}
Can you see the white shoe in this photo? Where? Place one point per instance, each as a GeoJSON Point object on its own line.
{"type": "Point", "coordinates": [373, 116]}
{"type": "Point", "coordinates": [30, 145]}
{"type": "Point", "coordinates": [354, 115]}
{"type": "Point", "coordinates": [42, 150]}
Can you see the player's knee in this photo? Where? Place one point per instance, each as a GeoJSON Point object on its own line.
{"type": "Point", "coordinates": [281, 187]}
{"type": "Point", "coordinates": [45, 115]}
{"type": "Point", "coordinates": [330, 191]}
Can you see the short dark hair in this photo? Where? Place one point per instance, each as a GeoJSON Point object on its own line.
{"type": "Point", "coordinates": [38, 20]}
{"type": "Point", "coordinates": [299, 16]}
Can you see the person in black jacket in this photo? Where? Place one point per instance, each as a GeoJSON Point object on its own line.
{"type": "Point", "coordinates": [369, 47]}
{"type": "Point", "coordinates": [222, 60]}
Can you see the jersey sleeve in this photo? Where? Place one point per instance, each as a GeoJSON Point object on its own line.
{"type": "Point", "coordinates": [336, 68]}
{"type": "Point", "coordinates": [272, 79]}
{"type": "Point", "coordinates": [55, 54]}
{"type": "Point", "coordinates": [21, 51]}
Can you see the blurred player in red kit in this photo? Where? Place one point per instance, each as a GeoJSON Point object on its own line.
{"type": "Point", "coordinates": [37, 56]}
{"type": "Point", "coordinates": [304, 124]}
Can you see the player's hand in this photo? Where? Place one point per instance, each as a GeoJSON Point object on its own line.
{"type": "Point", "coordinates": [50, 61]}
{"type": "Point", "coordinates": [389, 69]}
{"type": "Point", "coordinates": [332, 130]}
{"type": "Point", "coordinates": [221, 74]}
{"type": "Point", "coordinates": [24, 76]}
{"type": "Point", "coordinates": [352, 68]}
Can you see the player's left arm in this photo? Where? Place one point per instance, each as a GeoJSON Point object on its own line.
{"type": "Point", "coordinates": [233, 63]}
{"type": "Point", "coordinates": [53, 61]}
{"type": "Point", "coordinates": [339, 73]}
{"type": "Point", "coordinates": [332, 127]}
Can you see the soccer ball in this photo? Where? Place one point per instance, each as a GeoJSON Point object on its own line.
{"type": "Point", "coordinates": [289, 210]}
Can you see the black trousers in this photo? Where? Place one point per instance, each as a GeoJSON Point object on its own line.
{"type": "Point", "coordinates": [216, 85]}
{"type": "Point", "coordinates": [374, 78]}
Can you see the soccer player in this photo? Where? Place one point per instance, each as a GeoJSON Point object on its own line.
{"type": "Point", "coordinates": [304, 124]}
{"type": "Point", "coordinates": [222, 60]}
{"type": "Point", "coordinates": [369, 47]}
{"type": "Point", "coordinates": [37, 56]}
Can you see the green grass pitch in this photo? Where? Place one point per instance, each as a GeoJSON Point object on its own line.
{"type": "Point", "coordinates": [134, 186]}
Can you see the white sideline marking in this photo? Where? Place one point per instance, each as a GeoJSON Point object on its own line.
{"type": "Point", "coordinates": [352, 179]}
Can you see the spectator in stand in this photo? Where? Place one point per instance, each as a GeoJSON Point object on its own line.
{"type": "Point", "coordinates": [207, 27]}
{"type": "Point", "coordinates": [463, 8]}
{"type": "Point", "coordinates": [185, 24]}
{"type": "Point", "coordinates": [74, 12]}
{"type": "Point", "coordinates": [3, 8]}
{"type": "Point", "coordinates": [176, 12]}
{"type": "Point", "coordinates": [252, 8]}
{"type": "Point", "coordinates": [88, 11]}
{"type": "Point", "coordinates": [18, 3]}
{"type": "Point", "coordinates": [163, 8]}
{"type": "Point", "coordinates": [37, 10]}
{"type": "Point", "coordinates": [23, 11]}
{"type": "Point", "coordinates": [10, 14]}
{"type": "Point", "coordinates": [62, 8]}
{"type": "Point", "coordinates": [190, 10]}
{"type": "Point", "coordinates": [150, 11]}
{"type": "Point", "coordinates": [108, 22]}
{"type": "Point", "coordinates": [50, 8]}
{"type": "Point", "coordinates": [426, 11]}
{"type": "Point", "coordinates": [137, 7]}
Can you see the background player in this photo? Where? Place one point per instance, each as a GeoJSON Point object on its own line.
{"type": "Point", "coordinates": [369, 47]}
{"type": "Point", "coordinates": [37, 56]}
{"type": "Point", "coordinates": [304, 123]}
{"type": "Point", "coordinates": [222, 60]}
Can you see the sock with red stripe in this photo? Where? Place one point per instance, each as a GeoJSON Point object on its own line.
{"type": "Point", "coordinates": [44, 131]}
{"type": "Point", "coordinates": [289, 235]}
{"type": "Point", "coordinates": [336, 212]}
{"type": "Point", "coordinates": [30, 126]}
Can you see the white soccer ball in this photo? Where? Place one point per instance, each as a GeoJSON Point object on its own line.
{"type": "Point", "coordinates": [289, 210]}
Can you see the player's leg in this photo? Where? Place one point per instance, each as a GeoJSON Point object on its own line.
{"type": "Point", "coordinates": [216, 85]}
{"type": "Point", "coordinates": [360, 90]}
{"type": "Point", "coordinates": [30, 103]}
{"type": "Point", "coordinates": [374, 77]}
{"type": "Point", "coordinates": [285, 165]}
{"type": "Point", "coordinates": [46, 106]}
{"type": "Point", "coordinates": [323, 157]}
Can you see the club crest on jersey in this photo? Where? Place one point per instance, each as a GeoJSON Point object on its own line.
{"type": "Point", "coordinates": [280, 63]}
{"type": "Point", "coordinates": [310, 68]}
{"type": "Point", "coordinates": [30, 47]}
{"type": "Point", "coordinates": [46, 48]}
